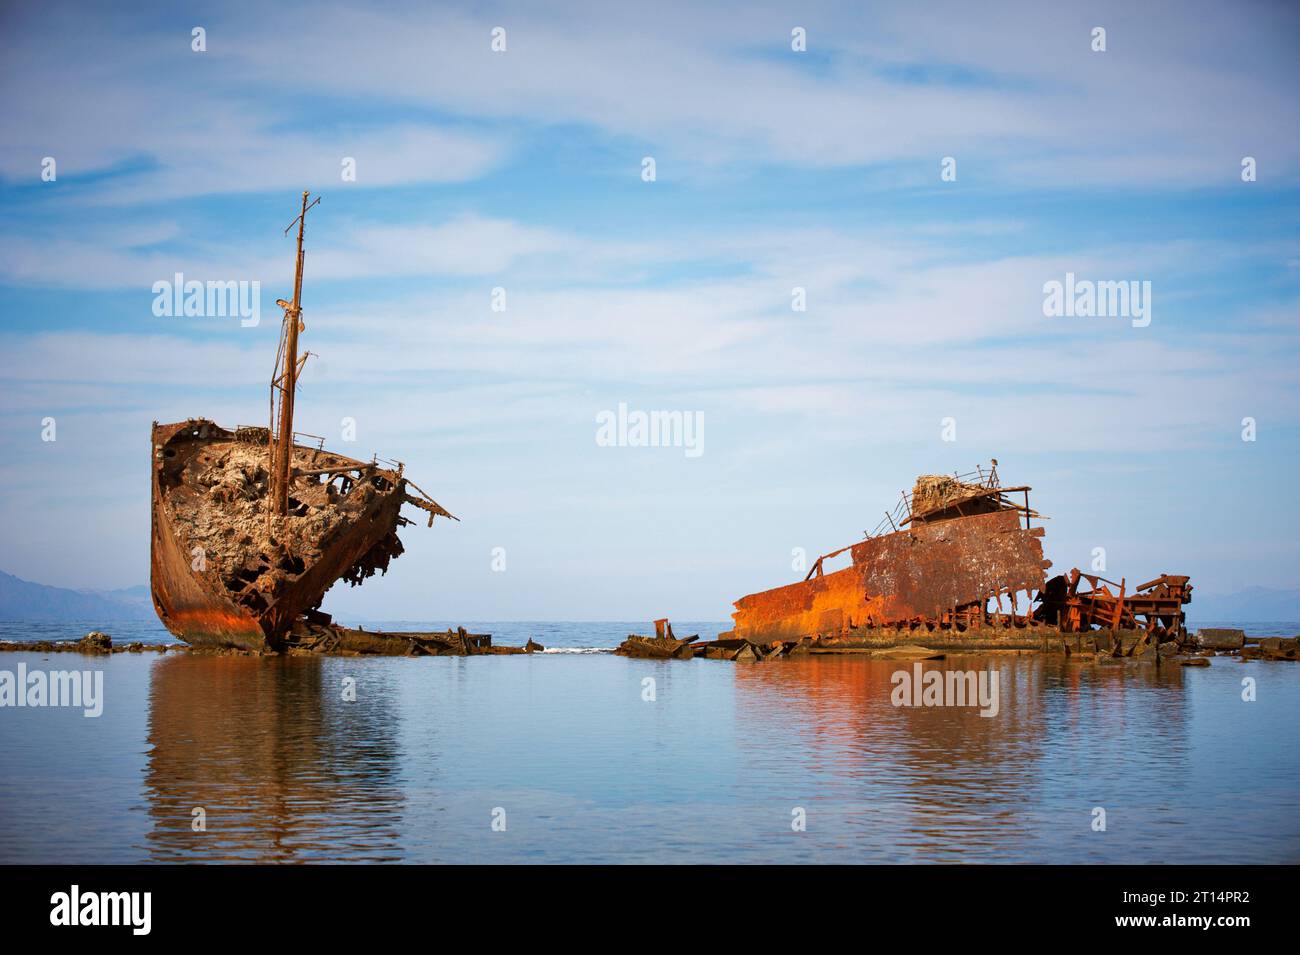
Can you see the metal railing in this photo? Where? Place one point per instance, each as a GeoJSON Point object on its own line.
{"type": "Point", "coordinates": [902, 513]}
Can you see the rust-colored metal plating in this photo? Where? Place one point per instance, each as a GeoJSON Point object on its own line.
{"type": "Point", "coordinates": [223, 572]}
{"type": "Point", "coordinates": [946, 558]}
{"type": "Point", "coordinates": [251, 527]}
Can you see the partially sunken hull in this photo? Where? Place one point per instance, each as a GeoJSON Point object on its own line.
{"type": "Point", "coordinates": [224, 571]}
{"type": "Point", "coordinates": [921, 574]}
{"type": "Point", "coordinates": [939, 569]}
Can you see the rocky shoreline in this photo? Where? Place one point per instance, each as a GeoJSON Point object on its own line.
{"type": "Point", "coordinates": [933, 644]}
{"type": "Point", "coordinates": [333, 640]}
{"type": "Point", "coordinates": [306, 640]}
{"type": "Point", "coordinates": [95, 643]}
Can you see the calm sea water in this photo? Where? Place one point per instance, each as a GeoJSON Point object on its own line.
{"type": "Point", "coordinates": [565, 749]}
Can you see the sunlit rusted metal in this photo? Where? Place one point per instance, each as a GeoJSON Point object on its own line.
{"type": "Point", "coordinates": [930, 572]}
{"type": "Point", "coordinates": [247, 589]}
{"type": "Point", "coordinates": [244, 543]}
{"type": "Point", "coordinates": [1155, 606]}
{"type": "Point", "coordinates": [284, 386]}
{"type": "Point", "coordinates": [964, 544]}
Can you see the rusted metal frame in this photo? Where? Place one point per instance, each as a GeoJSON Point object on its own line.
{"type": "Point", "coordinates": [282, 438]}
{"type": "Point", "coordinates": [817, 564]}
{"type": "Point", "coordinates": [988, 480]}
{"type": "Point", "coordinates": [424, 502]}
{"type": "Point", "coordinates": [1095, 580]}
{"type": "Point", "coordinates": [362, 467]}
{"type": "Point", "coordinates": [1168, 580]}
{"type": "Point", "coordinates": [894, 520]}
{"type": "Point", "coordinates": [428, 503]}
{"type": "Point", "coordinates": [1119, 607]}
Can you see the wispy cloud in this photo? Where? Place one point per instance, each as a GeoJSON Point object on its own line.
{"type": "Point", "coordinates": [777, 171]}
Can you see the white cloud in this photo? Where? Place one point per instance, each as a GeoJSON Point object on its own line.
{"type": "Point", "coordinates": [1020, 94]}
{"type": "Point", "coordinates": [812, 417]}
{"type": "Point", "coordinates": [1017, 97]}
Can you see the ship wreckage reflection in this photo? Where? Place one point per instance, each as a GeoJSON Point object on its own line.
{"type": "Point", "coordinates": [285, 770]}
{"type": "Point", "coordinates": [943, 784]}
{"type": "Point", "coordinates": [251, 761]}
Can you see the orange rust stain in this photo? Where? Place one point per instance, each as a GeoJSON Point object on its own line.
{"type": "Point", "coordinates": [917, 573]}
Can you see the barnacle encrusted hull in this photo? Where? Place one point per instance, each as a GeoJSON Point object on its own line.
{"type": "Point", "coordinates": [224, 569]}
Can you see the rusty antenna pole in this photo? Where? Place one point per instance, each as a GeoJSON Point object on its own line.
{"type": "Point", "coordinates": [282, 442]}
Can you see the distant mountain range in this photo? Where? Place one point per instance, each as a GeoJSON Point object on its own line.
{"type": "Point", "coordinates": [1251, 605]}
{"type": "Point", "coordinates": [22, 600]}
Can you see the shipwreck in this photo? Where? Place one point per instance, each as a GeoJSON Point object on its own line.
{"type": "Point", "coordinates": [956, 564]}
{"type": "Point", "coordinates": [252, 525]}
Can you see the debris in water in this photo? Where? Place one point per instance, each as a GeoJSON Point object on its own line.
{"type": "Point", "coordinates": [662, 646]}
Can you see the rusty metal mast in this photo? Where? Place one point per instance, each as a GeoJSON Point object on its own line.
{"type": "Point", "coordinates": [286, 382]}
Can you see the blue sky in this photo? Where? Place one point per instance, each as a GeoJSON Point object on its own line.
{"type": "Point", "coordinates": [522, 170]}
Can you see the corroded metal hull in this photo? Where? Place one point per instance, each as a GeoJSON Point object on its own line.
{"type": "Point", "coordinates": [922, 573]}
{"type": "Point", "coordinates": [223, 571]}
{"type": "Point", "coordinates": [942, 564]}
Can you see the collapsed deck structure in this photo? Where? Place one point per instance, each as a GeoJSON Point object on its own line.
{"type": "Point", "coordinates": [251, 526]}
{"type": "Point", "coordinates": [960, 559]}
{"type": "Point", "coordinates": [226, 572]}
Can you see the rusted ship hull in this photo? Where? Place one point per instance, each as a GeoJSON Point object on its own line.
{"type": "Point", "coordinates": [238, 578]}
{"type": "Point", "coordinates": [250, 528]}
{"type": "Point", "coordinates": [900, 577]}
{"type": "Point", "coordinates": [190, 610]}
{"type": "Point", "coordinates": [942, 566]}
